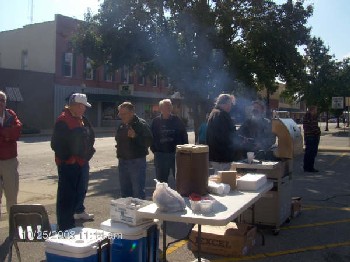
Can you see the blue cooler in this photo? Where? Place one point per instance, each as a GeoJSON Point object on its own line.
{"type": "Point", "coordinates": [75, 245]}
{"type": "Point", "coordinates": [133, 243]}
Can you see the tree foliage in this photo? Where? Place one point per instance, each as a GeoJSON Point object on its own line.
{"type": "Point", "coordinates": [206, 47]}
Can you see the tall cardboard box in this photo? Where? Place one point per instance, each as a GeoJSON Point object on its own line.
{"type": "Point", "coordinates": [231, 240]}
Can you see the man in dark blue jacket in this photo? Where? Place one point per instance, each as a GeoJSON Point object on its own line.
{"type": "Point", "coordinates": [168, 131]}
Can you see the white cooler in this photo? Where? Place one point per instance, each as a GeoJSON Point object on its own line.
{"type": "Point", "coordinates": [134, 243]}
{"type": "Point", "coordinates": [75, 245]}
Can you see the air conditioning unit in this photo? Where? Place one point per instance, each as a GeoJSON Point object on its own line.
{"type": "Point", "coordinates": [126, 89]}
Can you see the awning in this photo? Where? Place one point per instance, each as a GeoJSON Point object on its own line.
{"type": "Point", "coordinates": [119, 99]}
{"type": "Point", "coordinates": [14, 94]}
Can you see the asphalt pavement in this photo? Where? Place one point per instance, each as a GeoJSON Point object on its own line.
{"type": "Point", "coordinates": [320, 233]}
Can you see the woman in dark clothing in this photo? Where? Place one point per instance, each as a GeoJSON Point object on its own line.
{"type": "Point", "coordinates": [221, 133]}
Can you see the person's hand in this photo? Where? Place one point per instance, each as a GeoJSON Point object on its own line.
{"type": "Point", "coordinates": [131, 132]}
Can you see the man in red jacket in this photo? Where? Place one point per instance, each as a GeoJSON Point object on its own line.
{"type": "Point", "coordinates": [73, 142]}
{"type": "Point", "coordinates": [10, 130]}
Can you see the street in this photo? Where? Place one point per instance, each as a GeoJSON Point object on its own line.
{"type": "Point", "coordinates": [37, 158]}
{"type": "Point", "coordinates": [320, 233]}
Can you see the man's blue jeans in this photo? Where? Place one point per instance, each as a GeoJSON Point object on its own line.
{"type": "Point", "coordinates": [311, 149]}
{"type": "Point", "coordinates": [164, 163]}
{"type": "Point", "coordinates": [82, 188]}
{"type": "Point", "coordinates": [67, 194]}
{"type": "Point", "coordinates": [132, 177]}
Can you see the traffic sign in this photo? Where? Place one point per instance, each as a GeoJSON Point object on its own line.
{"type": "Point", "coordinates": [338, 102]}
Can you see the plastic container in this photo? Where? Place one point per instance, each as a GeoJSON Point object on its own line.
{"type": "Point", "coordinates": [192, 169]}
{"type": "Point", "coordinates": [216, 188]}
{"type": "Point", "coordinates": [136, 243]}
{"type": "Point", "coordinates": [75, 245]}
{"type": "Point", "coordinates": [207, 206]}
{"type": "Point", "coordinates": [195, 206]}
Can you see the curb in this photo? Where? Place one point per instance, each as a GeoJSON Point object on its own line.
{"type": "Point", "coordinates": [333, 149]}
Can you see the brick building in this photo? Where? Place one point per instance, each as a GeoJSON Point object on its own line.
{"type": "Point", "coordinates": [38, 63]}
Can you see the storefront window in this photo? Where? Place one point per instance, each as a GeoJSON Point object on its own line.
{"type": "Point", "coordinates": [109, 114]}
{"type": "Point", "coordinates": [151, 111]}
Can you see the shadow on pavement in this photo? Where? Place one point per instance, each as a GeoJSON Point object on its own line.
{"type": "Point", "coordinates": [4, 249]}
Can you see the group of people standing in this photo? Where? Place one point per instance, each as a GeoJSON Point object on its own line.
{"type": "Point", "coordinates": [226, 143]}
{"type": "Point", "coordinates": [73, 141]}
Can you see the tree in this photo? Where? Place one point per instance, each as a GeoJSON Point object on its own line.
{"type": "Point", "coordinates": [344, 82]}
{"type": "Point", "coordinates": [205, 47]}
{"type": "Point", "coordinates": [271, 34]}
{"type": "Point", "coordinates": [322, 75]}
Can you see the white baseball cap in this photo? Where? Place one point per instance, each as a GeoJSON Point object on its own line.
{"type": "Point", "coordinates": [79, 98]}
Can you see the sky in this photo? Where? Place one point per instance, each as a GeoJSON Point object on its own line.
{"type": "Point", "coordinates": [330, 21]}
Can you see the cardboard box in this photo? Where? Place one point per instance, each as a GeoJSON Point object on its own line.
{"type": "Point", "coordinates": [228, 177]}
{"type": "Point", "coordinates": [125, 210]}
{"type": "Point", "coordinates": [296, 207]}
{"type": "Point", "coordinates": [231, 240]}
{"type": "Point", "coordinates": [273, 208]}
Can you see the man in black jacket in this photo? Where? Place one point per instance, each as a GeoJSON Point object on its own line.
{"type": "Point", "coordinates": [168, 131]}
{"type": "Point", "coordinates": [221, 133]}
{"type": "Point", "coordinates": [133, 139]}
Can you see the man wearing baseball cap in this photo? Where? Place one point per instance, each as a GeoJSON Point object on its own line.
{"type": "Point", "coordinates": [73, 143]}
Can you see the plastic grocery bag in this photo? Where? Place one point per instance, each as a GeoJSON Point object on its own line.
{"type": "Point", "coordinates": [167, 199]}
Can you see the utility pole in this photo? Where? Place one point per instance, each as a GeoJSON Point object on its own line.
{"type": "Point", "coordinates": [31, 7]}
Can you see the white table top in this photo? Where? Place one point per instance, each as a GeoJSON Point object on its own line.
{"type": "Point", "coordinates": [256, 164]}
{"type": "Point", "coordinates": [225, 209]}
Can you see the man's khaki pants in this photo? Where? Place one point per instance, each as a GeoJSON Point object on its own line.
{"type": "Point", "coordinates": [9, 181]}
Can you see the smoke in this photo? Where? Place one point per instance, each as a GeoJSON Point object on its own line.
{"type": "Point", "coordinates": [192, 62]}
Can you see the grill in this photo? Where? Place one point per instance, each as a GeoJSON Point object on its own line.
{"type": "Point", "coordinates": [277, 164]}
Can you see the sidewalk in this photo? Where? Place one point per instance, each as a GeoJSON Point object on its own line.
{"type": "Point", "coordinates": [335, 139]}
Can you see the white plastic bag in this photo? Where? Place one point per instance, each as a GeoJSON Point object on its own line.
{"type": "Point", "coordinates": [167, 199]}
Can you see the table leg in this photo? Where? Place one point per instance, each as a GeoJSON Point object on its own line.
{"type": "Point", "coordinates": [164, 241]}
{"type": "Point", "coordinates": [253, 223]}
{"type": "Point", "coordinates": [199, 241]}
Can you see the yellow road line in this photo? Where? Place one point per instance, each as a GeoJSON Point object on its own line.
{"type": "Point", "coordinates": [285, 252]}
{"type": "Point", "coordinates": [308, 208]}
{"type": "Point", "coordinates": [337, 159]}
{"type": "Point", "coordinates": [175, 246]}
{"type": "Point", "coordinates": [316, 224]}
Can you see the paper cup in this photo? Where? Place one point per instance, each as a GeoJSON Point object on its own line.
{"type": "Point", "coordinates": [250, 157]}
